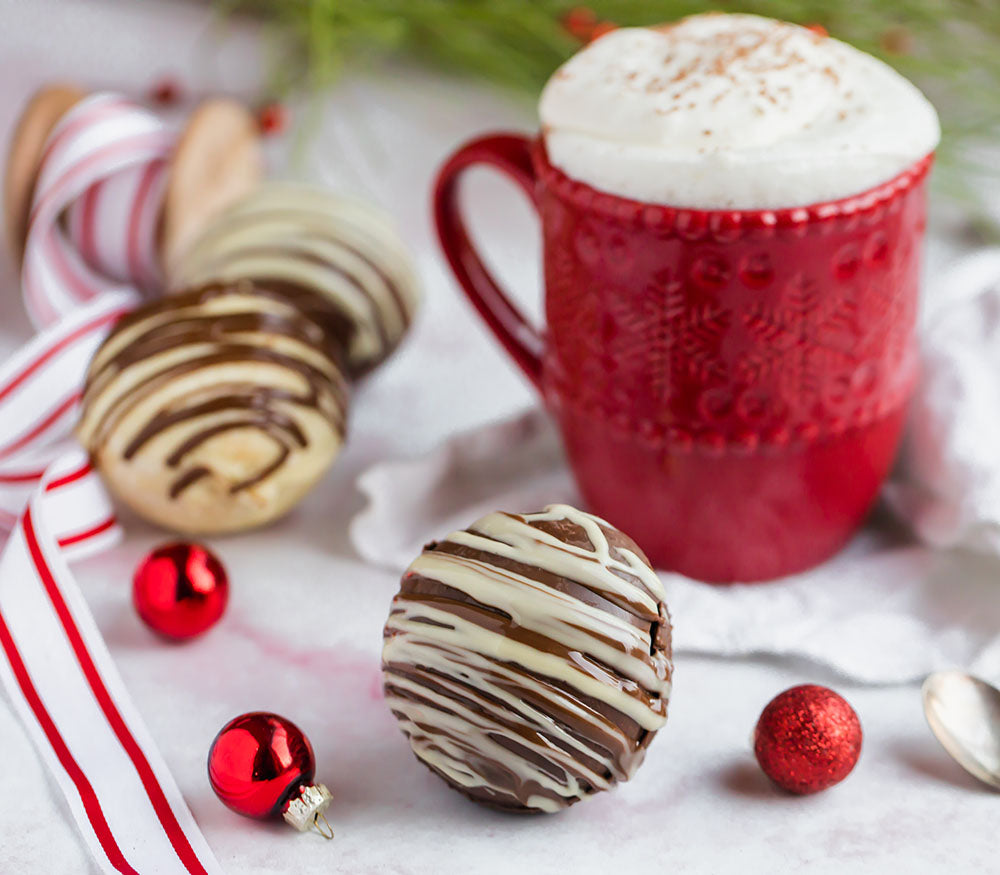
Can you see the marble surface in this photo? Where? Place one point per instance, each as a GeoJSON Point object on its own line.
{"type": "Point", "coordinates": [302, 633]}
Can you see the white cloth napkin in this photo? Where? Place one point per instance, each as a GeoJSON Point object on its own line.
{"type": "Point", "coordinates": [887, 609]}
{"type": "Point", "coordinates": [948, 482]}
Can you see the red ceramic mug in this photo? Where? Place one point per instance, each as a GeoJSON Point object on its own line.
{"type": "Point", "coordinates": [730, 385]}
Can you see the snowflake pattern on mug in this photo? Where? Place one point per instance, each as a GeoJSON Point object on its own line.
{"type": "Point", "coordinates": [682, 328]}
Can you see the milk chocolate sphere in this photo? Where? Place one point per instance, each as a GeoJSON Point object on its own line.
{"type": "Point", "coordinates": [527, 658]}
{"type": "Point", "coordinates": [214, 410]}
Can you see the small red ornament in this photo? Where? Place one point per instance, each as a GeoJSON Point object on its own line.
{"type": "Point", "coordinates": [180, 590]}
{"type": "Point", "coordinates": [807, 739]}
{"type": "Point", "coordinates": [261, 765]}
{"type": "Point", "coordinates": [272, 118]}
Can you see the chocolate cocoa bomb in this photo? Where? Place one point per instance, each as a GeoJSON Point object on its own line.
{"type": "Point", "coordinates": [340, 258]}
{"type": "Point", "coordinates": [527, 658]}
{"type": "Point", "coordinates": [214, 410]}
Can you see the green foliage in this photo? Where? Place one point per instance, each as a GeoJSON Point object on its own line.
{"type": "Point", "coordinates": [951, 48]}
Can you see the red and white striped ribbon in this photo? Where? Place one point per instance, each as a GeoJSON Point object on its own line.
{"type": "Point", "coordinates": [92, 225]}
{"type": "Point", "coordinates": [39, 400]}
{"type": "Point", "coordinates": [91, 244]}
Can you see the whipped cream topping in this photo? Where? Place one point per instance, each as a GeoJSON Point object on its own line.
{"type": "Point", "coordinates": [732, 111]}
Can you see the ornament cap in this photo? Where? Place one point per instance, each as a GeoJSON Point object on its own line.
{"type": "Point", "coordinates": [306, 810]}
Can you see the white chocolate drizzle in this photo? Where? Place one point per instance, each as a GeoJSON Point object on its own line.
{"type": "Point", "coordinates": [536, 685]}
{"type": "Point", "coordinates": [342, 249]}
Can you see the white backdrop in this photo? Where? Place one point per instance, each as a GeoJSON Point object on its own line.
{"type": "Point", "coordinates": [303, 630]}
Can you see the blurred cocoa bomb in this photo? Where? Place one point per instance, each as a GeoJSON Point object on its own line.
{"type": "Point", "coordinates": [214, 410]}
{"type": "Point", "coordinates": [527, 658]}
{"type": "Point", "coordinates": [339, 259]}
{"type": "Point", "coordinates": [217, 408]}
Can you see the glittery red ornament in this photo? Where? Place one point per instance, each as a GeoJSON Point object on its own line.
{"type": "Point", "coordinates": [261, 765]}
{"type": "Point", "coordinates": [807, 739]}
{"type": "Point", "coordinates": [180, 590]}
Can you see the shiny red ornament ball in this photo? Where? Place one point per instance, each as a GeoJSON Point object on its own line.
{"type": "Point", "coordinates": [180, 590]}
{"type": "Point", "coordinates": [807, 739]}
{"type": "Point", "coordinates": [258, 763]}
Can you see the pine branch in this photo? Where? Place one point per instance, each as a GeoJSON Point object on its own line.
{"type": "Point", "coordinates": [948, 47]}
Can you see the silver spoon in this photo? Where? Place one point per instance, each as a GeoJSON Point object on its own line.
{"type": "Point", "coordinates": [964, 715]}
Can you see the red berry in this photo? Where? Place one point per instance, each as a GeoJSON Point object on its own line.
{"type": "Point", "coordinates": [580, 22]}
{"type": "Point", "coordinates": [272, 119]}
{"type": "Point", "coordinates": [807, 739]}
{"type": "Point", "coordinates": [602, 28]}
{"type": "Point", "coordinates": [818, 29]}
{"type": "Point", "coordinates": [165, 92]}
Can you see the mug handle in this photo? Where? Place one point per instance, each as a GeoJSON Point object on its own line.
{"type": "Point", "coordinates": [510, 154]}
